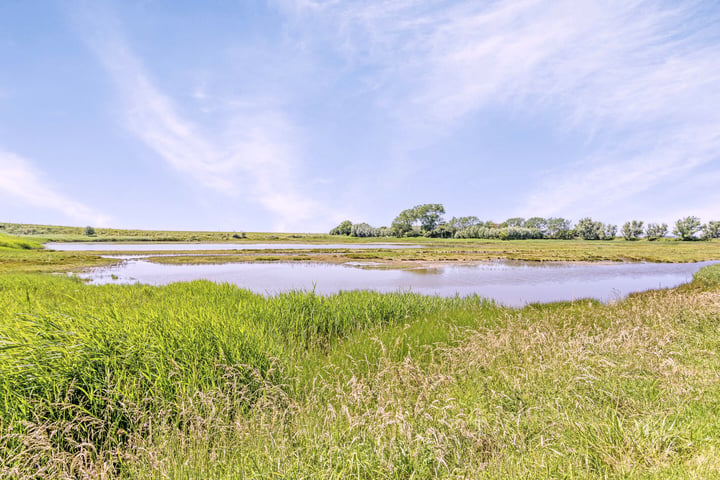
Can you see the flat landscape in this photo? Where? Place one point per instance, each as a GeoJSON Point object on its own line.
{"type": "Point", "coordinates": [341, 239]}
{"type": "Point", "coordinates": [206, 380]}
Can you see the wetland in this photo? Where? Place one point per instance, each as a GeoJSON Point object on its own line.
{"type": "Point", "coordinates": [341, 362]}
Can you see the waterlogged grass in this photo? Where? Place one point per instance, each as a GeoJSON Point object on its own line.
{"type": "Point", "coordinates": [200, 380]}
{"type": "Point", "coordinates": [456, 251]}
{"type": "Point", "coordinates": [36, 261]}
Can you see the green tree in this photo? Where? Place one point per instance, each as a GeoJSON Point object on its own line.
{"type": "Point", "coordinates": [345, 228]}
{"type": "Point", "coordinates": [89, 231]}
{"type": "Point", "coordinates": [443, 230]}
{"type": "Point", "coordinates": [655, 231]}
{"type": "Point", "coordinates": [712, 230]}
{"type": "Point", "coordinates": [559, 228]}
{"type": "Point", "coordinates": [428, 215]}
{"type": "Point", "coordinates": [537, 223]}
{"type": "Point", "coordinates": [513, 222]}
{"type": "Point", "coordinates": [403, 223]}
{"type": "Point", "coordinates": [463, 222]}
{"type": "Point", "coordinates": [687, 227]}
{"type": "Point", "coordinates": [610, 231]}
{"type": "Point", "coordinates": [587, 229]}
{"type": "Point", "coordinates": [632, 230]}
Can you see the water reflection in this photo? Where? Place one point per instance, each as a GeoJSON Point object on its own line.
{"type": "Point", "coordinates": [515, 283]}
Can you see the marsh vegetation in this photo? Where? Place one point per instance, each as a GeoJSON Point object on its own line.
{"type": "Point", "coordinates": [199, 380]}
{"type": "Point", "coordinates": [206, 380]}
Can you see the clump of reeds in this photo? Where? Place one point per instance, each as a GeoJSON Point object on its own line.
{"type": "Point", "coordinates": [201, 380]}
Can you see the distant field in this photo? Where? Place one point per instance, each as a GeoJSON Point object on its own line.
{"type": "Point", "coordinates": [432, 251]}
{"type": "Point", "coordinates": [53, 233]}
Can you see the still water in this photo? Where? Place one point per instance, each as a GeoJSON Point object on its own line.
{"type": "Point", "coordinates": [166, 247]}
{"type": "Point", "coordinates": [509, 283]}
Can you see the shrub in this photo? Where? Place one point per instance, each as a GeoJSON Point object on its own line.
{"type": "Point", "coordinates": [362, 230]}
{"type": "Point", "coordinates": [509, 233]}
{"type": "Point", "coordinates": [443, 230]}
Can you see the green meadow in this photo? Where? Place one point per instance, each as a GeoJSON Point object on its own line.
{"type": "Point", "coordinates": [204, 380]}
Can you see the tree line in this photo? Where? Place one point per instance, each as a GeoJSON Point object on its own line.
{"type": "Point", "coordinates": [427, 220]}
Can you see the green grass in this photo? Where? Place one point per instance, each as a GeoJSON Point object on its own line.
{"type": "Point", "coordinates": [10, 242]}
{"type": "Point", "coordinates": [198, 380]}
{"type": "Point", "coordinates": [431, 251]}
{"type": "Point", "coordinates": [37, 261]}
{"type": "Point", "coordinates": [56, 233]}
{"type": "Point", "coordinates": [463, 251]}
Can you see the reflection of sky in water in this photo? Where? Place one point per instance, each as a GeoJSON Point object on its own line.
{"type": "Point", "coordinates": [148, 247]}
{"type": "Point", "coordinates": [508, 283]}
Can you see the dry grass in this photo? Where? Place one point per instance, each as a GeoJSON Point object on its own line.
{"type": "Point", "coordinates": [464, 390]}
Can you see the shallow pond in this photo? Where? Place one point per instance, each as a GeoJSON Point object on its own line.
{"type": "Point", "coordinates": [162, 247]}
{"type": "Point", "coordinates": [509, 283]}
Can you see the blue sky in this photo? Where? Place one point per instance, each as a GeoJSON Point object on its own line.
{"type": "Point", "coordinates": [292, 115]}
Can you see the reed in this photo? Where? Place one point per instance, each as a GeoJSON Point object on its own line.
{"type": "Point", "coordinates": [200, 380]}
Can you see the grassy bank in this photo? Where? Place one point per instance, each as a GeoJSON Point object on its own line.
{"type": "Point", "coordinates": [57, 233]}
{"type": "Point", "coordinates": [11, 242]}
{"type": "Point", "coordinates": [209, 381]}
{"type": "Point", "coordinates": [458, 251]}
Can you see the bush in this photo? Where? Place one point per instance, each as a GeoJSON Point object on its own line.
{"type": "Point", "coordinates": [362, 230]}
{"type": "Point", "coordinates": [89, 231]}
{"type": "Point", "coordinates": [441, 231]}
{"type": "Point", "coordinates": [508, 233]}
{"type": "Point", "coordinates": [708, 276]}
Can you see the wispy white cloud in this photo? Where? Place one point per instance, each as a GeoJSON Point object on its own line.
{"type": "Point", "coordinates": [252, 156]}
{"type": "Point", "coordinates": [22, 181]}
{"type": "Point", "coordinates": [638, 80]}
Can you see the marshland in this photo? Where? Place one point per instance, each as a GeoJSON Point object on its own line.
{"type": "Point", "coordinates": [209, 270]}
{"type": "Point", "coordinates": [208, 380]}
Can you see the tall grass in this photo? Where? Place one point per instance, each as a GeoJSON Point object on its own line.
{"type": "Point", "coordinates": [199, 380]}
{"type": "Point", "coordinates": [14, 243]}
{"type": "Point", "coordinates": [119, 356]}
